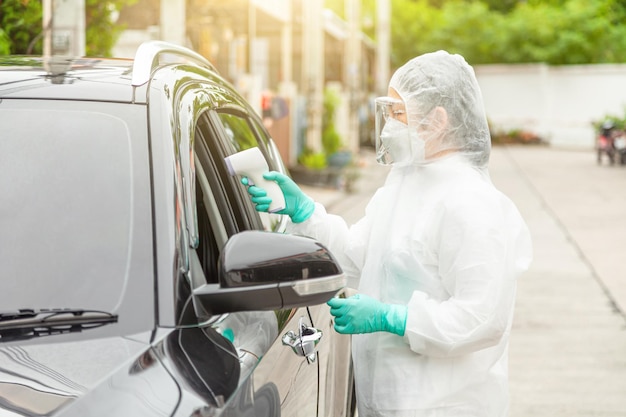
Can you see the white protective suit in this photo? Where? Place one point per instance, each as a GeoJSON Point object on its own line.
{"type": "Point", "coordinates": [439, 238]}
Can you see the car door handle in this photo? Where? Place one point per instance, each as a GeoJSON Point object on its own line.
{"type": "Point", "coordinates": [303, 343]}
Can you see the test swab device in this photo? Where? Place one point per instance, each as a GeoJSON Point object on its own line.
{"type": "Point", "coordinates": [252, 164]}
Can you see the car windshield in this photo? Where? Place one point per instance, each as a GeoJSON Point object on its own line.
{"type": "Point", "coordinates": [67, 204]}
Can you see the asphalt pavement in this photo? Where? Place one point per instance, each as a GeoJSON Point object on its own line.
{"type": "Point", "coordinates": [568, 344]}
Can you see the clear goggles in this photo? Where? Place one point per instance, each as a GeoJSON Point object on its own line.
{"type": "Point", "coordinates": [389, 107]}
{"type": "Point", "coordinates": [386, 109]}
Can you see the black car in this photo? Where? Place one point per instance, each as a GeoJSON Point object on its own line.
{"type": "Point", "coordinates": [138, 279]}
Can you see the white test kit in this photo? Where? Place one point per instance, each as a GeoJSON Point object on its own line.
{"type": "Point", "coordinates": [252, 164]}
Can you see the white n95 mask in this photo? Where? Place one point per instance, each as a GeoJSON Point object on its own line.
{"type": "Point", "coordinates": [396, 143]}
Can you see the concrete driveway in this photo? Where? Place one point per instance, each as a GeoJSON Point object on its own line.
{"type": "Point", "coordinates": [568, 346]}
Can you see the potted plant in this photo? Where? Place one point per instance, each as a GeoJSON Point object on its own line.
{"type": "Point", "coordinates": [325, 168]}
{"type": "Point", "coordinates": [332, 143]}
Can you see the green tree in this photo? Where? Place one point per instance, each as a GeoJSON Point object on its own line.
{"type": "Point", "coordinates": [468, 28]}
{"type": "Point", "coordinates": [576, 32]}
{"type": "Point", "coordinates": [557, 32]}
{"type": "Point", "coordinates": [101, 31]}
{"type": "Point", "coordinates": [5, 43]}
{"type": "Point", "coordinates": [412, 23]}
{"type": "Point", "coordinates": [502, 6]}
{"type": "Point", "coordinates": [22, 28]}
{"type": "Point", "coordinates": [20, 22]}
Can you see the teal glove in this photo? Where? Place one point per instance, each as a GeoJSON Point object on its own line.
{"type": "Point", "coordinates": [229, 334]}
{"type": "Point", "coordinates": [363, 314]}
{"type": "Point", "coordinates": [298, 205]}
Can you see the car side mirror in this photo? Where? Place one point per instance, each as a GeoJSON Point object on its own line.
{"type": "Point", "coordinates": [270, 271]}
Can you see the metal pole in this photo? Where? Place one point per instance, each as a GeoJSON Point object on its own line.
{"type": "Point", "coordinates": [287, 46]}
{"type": "Point", "coordinates": [353, 71]}
{"type": "Point", "coordinates": [313, 70]}
{"type": "Point", "coordinates": [251, 36]}
{"type": "Point", "coordinates": [64, 28]}
{"type": "Point", "coordinates": [173, 21]}
{"type": "Point", "coordinates": [383, 41]}
{"type": "Point", "coordinates": [47, 27]}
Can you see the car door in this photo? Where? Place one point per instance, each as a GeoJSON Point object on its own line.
{"type": "Point", "coordinates": [278, 379]}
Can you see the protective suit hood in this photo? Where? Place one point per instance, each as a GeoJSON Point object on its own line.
{"type": "Point", "coordinates": [444, 105]}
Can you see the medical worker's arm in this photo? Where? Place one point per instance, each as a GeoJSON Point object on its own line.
{"type": "Point", "coordinates": [483, 247]}
{"type": "Point", "coordinates": [311, 219]}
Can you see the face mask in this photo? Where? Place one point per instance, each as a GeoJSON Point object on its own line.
{"type": "Point", "coordinates": [399, 145]}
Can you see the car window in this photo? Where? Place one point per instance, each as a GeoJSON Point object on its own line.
{"type": "Point", "coordinates": [238, 131]}
{"type": "Point", "coordinates": [243, 133]}
{"type": "Point", "coordinates": [231, 196]}
{"type": "Point", "coordinates": [207, 249]}
{"type": "Point", "coordinates": [222, 205]}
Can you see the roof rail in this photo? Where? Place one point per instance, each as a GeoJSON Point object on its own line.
{"type": "Point", "coordinates": [148, 52]}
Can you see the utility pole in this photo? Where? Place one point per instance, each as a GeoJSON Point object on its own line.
{"type": "Point", "coordinates": [174, 21]}
{"type": "Point", "coordinates": [64, 28]}
{"type": "Point", "coordinates": [383, 42]}
{"type": "Point", "coordinates": [353, 70]}
{"type": "Point", "coordinates": [313, 70]}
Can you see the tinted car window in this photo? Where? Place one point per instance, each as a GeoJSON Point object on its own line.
{"type": "Point", "coordinates": [207, 250]}
{"type": "Point", "coordinates": [240, 130]}
{"type": "Point", "coordinates": [231, 198]}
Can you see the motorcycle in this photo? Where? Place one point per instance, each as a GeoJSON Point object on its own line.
{"type": "Point", "coordinates": [619, 144]}
{"type": "Point", "coordinates": [605, 142]}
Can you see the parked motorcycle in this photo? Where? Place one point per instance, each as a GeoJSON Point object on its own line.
{"type": "Point", "coordinates": [619, 144]}
{"type": "Point", "coordinates": [605, 144]}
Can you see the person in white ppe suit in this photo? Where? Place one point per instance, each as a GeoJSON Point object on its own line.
{"type": "Point", "coordinates": [435, 258]}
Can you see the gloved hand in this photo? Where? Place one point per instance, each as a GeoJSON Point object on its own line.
{"type": "Point", "coordinates": [229, 334]}
{"type": "Point", "coordinates": [363, 314]}
{"type": "Point", "coordinates": [298, 205]}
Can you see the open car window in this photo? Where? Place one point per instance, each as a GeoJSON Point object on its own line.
{"type": "Point", "coordinates": [243, 133]}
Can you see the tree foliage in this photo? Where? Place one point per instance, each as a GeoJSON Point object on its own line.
{"type": "Point", "coordinates": [98, 22]}
{"type": "Point", "coordinates": [557, 32]}
{"type": "Point", "coordinates": [21, 26]}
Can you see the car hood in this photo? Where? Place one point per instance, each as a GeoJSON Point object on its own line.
{"type": "Point", "coordinates": [112, 376]}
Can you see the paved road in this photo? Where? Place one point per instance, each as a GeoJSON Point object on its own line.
{"type": "Point", "coordinates": [568, 346]}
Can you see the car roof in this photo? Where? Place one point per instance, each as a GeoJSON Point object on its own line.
{"type": "Point", "coordinates": [100, 79]}
{"type": "Point", "coordinates": [96, 79]}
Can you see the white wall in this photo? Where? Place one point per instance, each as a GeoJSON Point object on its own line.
{"type": "Point", "coordinates": [558, 103]}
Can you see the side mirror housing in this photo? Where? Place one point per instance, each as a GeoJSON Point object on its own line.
{"type": "Point", "coordinates": [270, 271]}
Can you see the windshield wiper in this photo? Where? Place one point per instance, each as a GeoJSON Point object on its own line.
{"type": "Point", "coordinates": [28, 323]}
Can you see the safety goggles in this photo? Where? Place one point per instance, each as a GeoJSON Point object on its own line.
{"type": "Point", "coordinates": [389, 107]}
